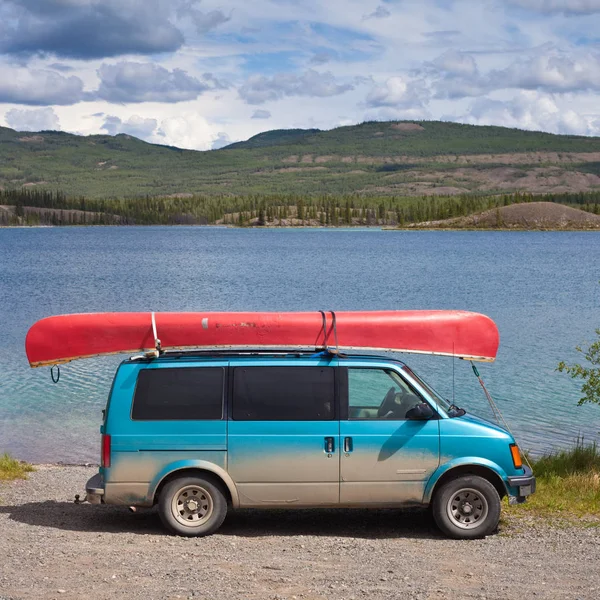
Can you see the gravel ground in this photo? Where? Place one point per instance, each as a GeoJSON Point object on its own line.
{"type": "Point", "coordinates": [53, 548]}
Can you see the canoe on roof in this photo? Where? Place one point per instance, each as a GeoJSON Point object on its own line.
{"type": "Point", "coordinates": [59, 339]}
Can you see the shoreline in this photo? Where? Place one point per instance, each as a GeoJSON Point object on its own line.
{"type": "Point", "coordinates": [107, 551]}
{"type": "Point", "coordinates": [319, 227]}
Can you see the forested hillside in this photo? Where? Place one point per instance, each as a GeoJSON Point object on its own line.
{"type": "Point", "coordinates": [31, 207]}
{"type": "Point", "coordinates": [375, 159]}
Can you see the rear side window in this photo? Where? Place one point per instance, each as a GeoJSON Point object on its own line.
{"type": "Point", "coordinates": [179, 394]}
{"type": "Point", "coordinates": [283, 394]}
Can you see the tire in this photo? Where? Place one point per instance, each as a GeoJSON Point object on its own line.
{"type": "Point", "coordinates": [192, 506]}
{"type": "Point", "coordinates": [467, 508]}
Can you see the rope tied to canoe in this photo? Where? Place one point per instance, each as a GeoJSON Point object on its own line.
{"type": "Point", "coordinates": [156, 340]}
{"type": "Point", "coordinates": [57, 378]}
{"type": "Point", "coordinates": [495, 410]}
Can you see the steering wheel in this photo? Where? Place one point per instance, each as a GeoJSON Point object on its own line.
{"type": "Point", "coordinates": [388, 403]}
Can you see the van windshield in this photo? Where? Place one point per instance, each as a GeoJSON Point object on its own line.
{"type": "Point", "coordinates": [442, 402]}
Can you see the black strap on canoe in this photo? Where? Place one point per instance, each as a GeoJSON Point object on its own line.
{"type": "Point", "coordinates": [333, 351]}
{"type": "Point", "coordinates": [335, 337]}
{"type": "Point", "coordinates": [57, 378]}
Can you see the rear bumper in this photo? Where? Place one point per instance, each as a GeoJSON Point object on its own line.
{"type": "Point", "coordinates": [522, 485]}
{"type": "Point", "coordinates": [94, 489]}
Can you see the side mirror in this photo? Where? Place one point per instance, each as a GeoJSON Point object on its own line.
{"type": "Point", "coordinates": [421, 412]}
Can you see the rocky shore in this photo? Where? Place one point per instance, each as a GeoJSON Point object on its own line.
{"type": "Point", "coordinates": [53, 548]}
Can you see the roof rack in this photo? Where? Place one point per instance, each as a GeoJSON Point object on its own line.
{"type": "Point", "coordinates": [280, 352]}
{"type": "Point", "coordinates": [247, 351]}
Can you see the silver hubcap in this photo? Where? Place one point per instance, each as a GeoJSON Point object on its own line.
{"type": "Point", "coordinates": [467, 509]}
{"type": "Point", "coordinates": [192, 506]}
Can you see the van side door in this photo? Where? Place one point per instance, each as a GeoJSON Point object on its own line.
{"type": "Point", "coordinates": [283, 434]}
{"type": "Point", "coordinates": [386, 458]}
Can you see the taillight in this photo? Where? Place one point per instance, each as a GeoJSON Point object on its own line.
{"type": "Point", "coordinates": [516, 456]}
{"type": "Point", "coordinates": [105, 462]}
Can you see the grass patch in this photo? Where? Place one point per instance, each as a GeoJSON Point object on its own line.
{"type": "Point", "coordinates": [11, 468]}
{"type": "Point", "coordinates": [568, 483]}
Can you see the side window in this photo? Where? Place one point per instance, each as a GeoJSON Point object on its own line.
{"type": "Point", "coordinates": [283, 394]}
{"type": "Point", "coordinates": [179, 394]}
{"type": "Point", "coordinates": [379, 394]}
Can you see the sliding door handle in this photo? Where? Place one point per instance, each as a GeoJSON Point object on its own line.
{"type": "Point", "coordinates": [348, 446]}
{"type": "Point", "coordinates": [329, 445]}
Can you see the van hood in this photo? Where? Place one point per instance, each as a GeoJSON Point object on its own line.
{"type": "Point", "coordinates": [469, 418]}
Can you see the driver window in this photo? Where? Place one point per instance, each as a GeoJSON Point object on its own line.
{"type": "Point", "coordinates": [379, 394]}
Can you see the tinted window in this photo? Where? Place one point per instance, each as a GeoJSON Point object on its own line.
{"type": "Point", "coordinates": [283, 394]}
{"type": "Point", "coordinates": [179, 394]}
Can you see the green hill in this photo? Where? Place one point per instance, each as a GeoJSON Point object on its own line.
{"type": "Point", "coordinates": [371, 159]}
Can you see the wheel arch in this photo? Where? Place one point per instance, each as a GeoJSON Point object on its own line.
{"type": "Point", "coordinates": [487, 470]}
{"type": "Point", "coordinates": [195, 469]}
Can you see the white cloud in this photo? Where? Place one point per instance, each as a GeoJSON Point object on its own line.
{"type": "Point", "coordinates": [320, 58]}
{"type": "Point", "coordinates": [204, 22]}
{"type": "Point", "coordinates": [184, 130]}
{"type": "Point", "coordinates": [88, 28]}
{"type": "Point", "coordinates": [456, 63]}
{"type": "Point", "coordinates": [569, 7]}
{"type": "Point", "coordinates": [189, 130]}
{"type": "Point", "coordinates": [554, 71]}
{"type": "Point", "coordinates": [456, 75]}
{"type": "Point", "coordinates": [531, 110]}
{"type": "Point", "coordinates": [261, 114]}
{"type": "Point", "coordinates": [135, 125]}
{"type": "Point", "coordinates": [147, 82]}
{"type": "Point", "coordinates": [32, 120]}
{"type": "Point", "coordinates": [398, 92]}
{"type": "Point", "coordinates": [221, 141]}
{"type": "Point", "coordinates": [381, 12]}
{"type": "Point", "coordinates": [258, 88]}
{"type": "Point", "coordinates": [38, 87]}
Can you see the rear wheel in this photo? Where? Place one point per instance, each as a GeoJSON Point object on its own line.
{"type": "Point", "coordinates": [192, 506]}
{"type": "Point", "coordinates": [467, 507]}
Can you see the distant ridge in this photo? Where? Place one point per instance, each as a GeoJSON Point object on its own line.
{"type": "Point", "coordinates": [377, 159]}
{"type": "Point", "coordinates": [275, 137]}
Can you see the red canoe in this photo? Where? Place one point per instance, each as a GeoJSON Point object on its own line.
{"type": "Point", "coordinates": [60, 339]}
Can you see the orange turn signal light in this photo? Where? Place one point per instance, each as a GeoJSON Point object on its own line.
{"type": "Point", "coordinates": [516, 456]}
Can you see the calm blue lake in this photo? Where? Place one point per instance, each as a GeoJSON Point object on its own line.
{"type": "Point", "coordinates": [541, 288]}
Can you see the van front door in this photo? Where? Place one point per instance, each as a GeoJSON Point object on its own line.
{"type": "Point", "coordinates": [386, 458]}
{"type": "Point", "coordinates": [283, 435]}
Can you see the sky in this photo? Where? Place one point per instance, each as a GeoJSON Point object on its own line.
{"type": "Point", "coordinates": [201, 74]}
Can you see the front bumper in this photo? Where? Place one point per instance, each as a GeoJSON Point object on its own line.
{"type": "Point", "coordinates": [524, 485]}
{"type": "Point", "coordinates": [94, 489]}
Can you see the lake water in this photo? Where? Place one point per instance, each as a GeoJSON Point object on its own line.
{"type": "Point", "coordinates": [541, 288]}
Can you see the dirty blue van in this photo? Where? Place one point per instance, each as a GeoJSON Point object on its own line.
{"type": "Point", "coordinates": [201, 433]}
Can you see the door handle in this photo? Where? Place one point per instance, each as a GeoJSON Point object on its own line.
{"type": "Point", "coordinates": [329, 445]}
{"type": "Point", "coordinates": [348, 445]}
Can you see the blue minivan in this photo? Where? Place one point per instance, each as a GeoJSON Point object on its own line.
{"type": "Point", "coordinates": [199, 433]}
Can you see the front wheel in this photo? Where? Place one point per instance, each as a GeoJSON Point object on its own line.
{"type": "Point", "coordinates": [467, 507]}
{"type": "Point", "coordinates": [192, 506]}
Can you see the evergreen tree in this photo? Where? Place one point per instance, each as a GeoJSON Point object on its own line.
{"type": "Point", "coordinates": [261, 216]}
